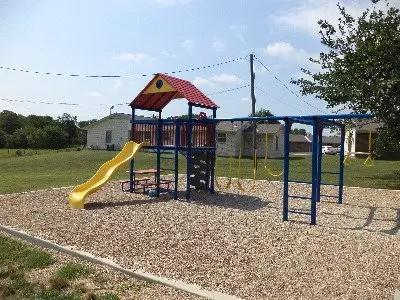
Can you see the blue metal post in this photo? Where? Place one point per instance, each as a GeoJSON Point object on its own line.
{"type": "Point", "coordinates": [213, 156]}
{"type": "Point", "coordinates": [314, 179]}
{"type": "Point", "coordinates": [288, 125]}
{"type": "Point", "coordinates": [177, 139]}
{"type": "Point", "coordinates": [341, 163]}
{"type": "Point", "coordinates": [319, 167]}
{"type": "Point", "coordinates": [189, 152]}
{"type": "Point", "coordinates": [159, 142]}
{"type": "Point", "coordinates": [132, 164]}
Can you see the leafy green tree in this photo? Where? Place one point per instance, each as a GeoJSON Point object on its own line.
{"type": "Point", "coordinates": [301, 131]}
{"type": "Point", "coordinates": [69, 124]}
{"type": "Point", "coordinates": [54, 137]}
{"type": "Point", "coordinates": [360, 68]}
{"type": "Point", "coordinates": [3, 139]}
{"type": "Point", "coordinates": [10, 121]}
{"type": "Point", "coordinates": [82, 124]}
{"type": "Point", "coordinates": [262, 112]}
{"type": "Point", "coordinates": [38, 121]}
{"type": "Point", "coordinates": [18, 139]}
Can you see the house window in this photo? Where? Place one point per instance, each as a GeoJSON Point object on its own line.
{"type": "Point", "coordinates": [276, 143]}
{"type": "Point", "coordinates": [221, 137]}
{"type": "Point", "coordinates": [108, 136]}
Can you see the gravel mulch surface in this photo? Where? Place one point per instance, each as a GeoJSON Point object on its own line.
{"type": "Point", "coordinates": [234, 242]}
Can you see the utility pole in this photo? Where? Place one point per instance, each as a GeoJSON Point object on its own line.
{"type": "Point", "coordinates": [253, 109]}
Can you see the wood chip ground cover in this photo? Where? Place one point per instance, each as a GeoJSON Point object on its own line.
{"type": "Point", "coordinates": [234, 242]}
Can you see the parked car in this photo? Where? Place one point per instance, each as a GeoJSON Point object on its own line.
{"type": "Point", "coordinates": [330, 150]}
{"type": "Point", "coordinates": [326, 149]}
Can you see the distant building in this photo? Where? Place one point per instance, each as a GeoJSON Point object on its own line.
{"type": "Point", "coordinates": [111, 132]}
{"type": "Point", "coordinates": [357, 138]}
{"type": "Point", "coordinates": [299, 143]}
{"type": "Point", "coordinates": [233, 136]}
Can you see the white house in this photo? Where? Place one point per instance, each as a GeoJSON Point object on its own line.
{"type": "Point", "coordinates": [114, 130]}
{"type": "Point", "coordinates": [357, 138]}
{"type": "Point", "coordinates": [233, 136]}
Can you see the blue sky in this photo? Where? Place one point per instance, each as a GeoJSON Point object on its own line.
{"type": "Point", "coordinates": [135, 37]}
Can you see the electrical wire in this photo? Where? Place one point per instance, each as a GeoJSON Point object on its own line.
{"type": "Point", "coordinates": [103, 104]}
{"type": "Point", "coordinates": [287, 88]}
{"type": "Point", "coordinates": [61, 74]}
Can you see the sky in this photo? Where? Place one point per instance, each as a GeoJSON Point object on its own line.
{"type": "Point", "coordinates": [130, 38]}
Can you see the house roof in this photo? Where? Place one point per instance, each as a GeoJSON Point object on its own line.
{"type": "Point", "coordinates": [299, 138]}
{"type": "Point", "coordinates": [368, 125]}
{"type": "Point", "coordinates": [120, 116]}
{"type": "Point", "coordinates": [227, 126]}
{"type": "Point", "coordinates": [164, 88]}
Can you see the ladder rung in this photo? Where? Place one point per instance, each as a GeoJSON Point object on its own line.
{"type": "Point", "coordinates": [300, 197]}
{"type": "Point", "coordinates": [167, 169]}
{"type": "Point", "coordinates": [167, 158]}
{"type": "Point", "coordinates": [299, 212]}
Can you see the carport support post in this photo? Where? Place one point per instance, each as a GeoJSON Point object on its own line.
{"type": "Point", "coordinates": [314, 180]}
{"type": "Point", "coordinates": [132, 166]}
{"type": "Point", "coordinates": [319, 170]}
{"type": "Point", "coordinates": [341, 163]}
{"type": "Point", "coordinates": [159, 142]}
{"type": "Point", "coordinates": [189, 152]}
{"type": "Point", "coordinates": [288, 125]}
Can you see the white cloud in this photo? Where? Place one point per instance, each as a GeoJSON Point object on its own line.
{"type": "Point", "coordinates": [304, 17]}
{"type": "Point", "coordinates": [132, 56]}
{"type": "Point", "coordinates": [286, 51]}
{"type": "Point", "coordinates": [188, 45]}
{"type": "Point", "coordinates": [245, 99]}
{"type": "Point", "coordinates": [218, 45]}
{"type": "Point", "coordinates": [168, 54]}
{"type": "Point", "coordinates": [201, 81]}
{"type": "Point", "coordinates": [225, 78]}
{"type": "Point", "coordinates": [95, 94]}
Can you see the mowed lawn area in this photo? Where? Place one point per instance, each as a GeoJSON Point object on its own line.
{"type": "Point", "coordinates": [38, 169]}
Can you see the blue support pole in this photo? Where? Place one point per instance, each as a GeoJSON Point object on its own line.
{"type": "Point", "coordinates": [213, 156]}
{"type": "Point", "coordinates": [177, 139]}
{"type": "Point", "coordinates": [314, 179]}
{"type": "Point", "coordinates": [189, 153]}
{"type": "Point", "coordinates": [341, 163]}
{"type": "Point", "coordinates": [159, 142]}
{"type": "Point", "coordinates": [132, 164]}
{"type": "Point", "coordinates": [319, 167]}
{"type": "Point", "coordinates": [288, 125]}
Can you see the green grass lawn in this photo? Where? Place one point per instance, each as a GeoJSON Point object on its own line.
{"type": "Point", "coordinates": [17, 262]}
{"type": "Point", "coordinates": [37, 169]}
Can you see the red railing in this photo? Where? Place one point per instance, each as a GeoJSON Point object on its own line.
{"type": "Point", "coordinates": [203, 135]}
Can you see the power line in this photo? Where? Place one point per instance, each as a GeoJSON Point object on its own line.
{"type": "Point", "coordinates": [279, 100]}
{"type": "Point", "coordinates": [228, 90]}
{"type": "Point", "coordinates": [61, 74]}
{"type": "Point", "coordinates": [287, 88]}
{"type": "Point", "coordinates": [39, 101]}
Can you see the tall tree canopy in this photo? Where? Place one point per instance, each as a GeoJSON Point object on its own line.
{"type": "Point", "coordinates": [360, 70]}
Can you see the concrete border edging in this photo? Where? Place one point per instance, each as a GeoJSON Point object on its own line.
{"type": "Point", "coordinates": [138, 274]}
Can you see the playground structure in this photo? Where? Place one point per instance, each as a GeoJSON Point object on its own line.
{"type": "Point", "coordinates": [195, 138]}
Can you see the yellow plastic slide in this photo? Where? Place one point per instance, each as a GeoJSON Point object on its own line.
{"type": "Point", "coordinates": [76, 198]}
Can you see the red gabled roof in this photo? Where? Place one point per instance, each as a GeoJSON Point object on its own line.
{"type": "Point", "coordinates": [157, 100]}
